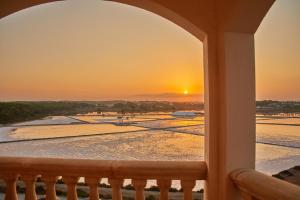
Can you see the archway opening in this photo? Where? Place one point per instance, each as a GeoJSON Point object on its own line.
{"type": "Point", "coordinates": [111, 58]}
{"type": "Point", "coordinates": [277, 86]}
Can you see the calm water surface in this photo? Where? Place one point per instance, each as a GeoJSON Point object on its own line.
{"type": "Point", "coordinates": [148, 137]}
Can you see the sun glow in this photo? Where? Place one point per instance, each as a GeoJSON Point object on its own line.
{"type": "Point", "coordinates": [48, 78]}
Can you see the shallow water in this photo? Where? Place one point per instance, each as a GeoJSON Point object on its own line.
{"type": "Point", "coordinates": [278, 134]}
{"type": "Point", "coordinates": [149, 145]}
{"type": "Point", "coordinates": [32, 132]}
{"type": "Point", "coordinates": [278, 146]}
{"type": "Point", "coordinates": [49, 120]}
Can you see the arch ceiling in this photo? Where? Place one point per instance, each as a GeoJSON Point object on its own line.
{"type": "Point", "coordinates": [196, 16]}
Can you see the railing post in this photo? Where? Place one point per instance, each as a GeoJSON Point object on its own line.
{"type": "Point", "coordinates": [50, 182]}
{"type": "Point", "coordinates": [116, 188]}
{"type": "Point", "coordinates": [93, 184]}
{"type": "Point", "coordinates": [187, 186]}
{"type": "Point", "coordinates": [11, 191]}
{"type": "Point", "coordinates": [30, 186]}
{"type": "Point", "coordinates": [71, 182]}
{"type": "Point", "coordinates": [229, 110]}
{"type": "Point", "coordinates": [139, 186]}
{"type": "Point", "coordinates": [164, 186]}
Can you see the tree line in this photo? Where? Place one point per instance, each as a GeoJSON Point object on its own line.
{"type": "Point", "coordinates": [11, 112]}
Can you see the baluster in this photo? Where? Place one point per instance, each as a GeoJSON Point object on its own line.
{"type": "Point", "coordinates": [187, 186]}
{"type": "Point", "coordinates": [50, 186]}
{"type": "Point", "coordinates": [11, 191]}
{"type": "Point", "coordinates": [164, 186]}
{"type": "Point", "coordinates": [139, 186]}
{"type": "Point", "coordinates": [116, 185]}
{"type": "Point", "coordinates": [93, 184]}
{"type": "Point", "coordinates": [29, 181]}
{"type": "Point", "coordinates": [71, 182]}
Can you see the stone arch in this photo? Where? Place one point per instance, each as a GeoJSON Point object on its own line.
{"type": "Point", "coordinates": [167, 14]}
{"type": "Point", "coordinates": [10, 7]}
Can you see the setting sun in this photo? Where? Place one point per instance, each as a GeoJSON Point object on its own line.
{"type": "Point", "coordinates": [185, 92]}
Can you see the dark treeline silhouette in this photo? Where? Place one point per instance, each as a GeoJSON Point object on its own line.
{"type": "Point", "coordinates": [269, 107]}
{"type": "Point", "coordinates": [22, 111]}
{"type": "Point", "coordinates": [154, 106]}
{"type": "Point", "coordinates": [11, 112]}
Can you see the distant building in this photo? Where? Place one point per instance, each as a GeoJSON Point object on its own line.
{"type": "Point", "coordinates": [184, 114]}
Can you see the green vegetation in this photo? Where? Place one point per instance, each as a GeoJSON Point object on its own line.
{"type": "Point", "coordinates": [153, 106]}
{"type": "Point", "coordinates": [153, 188]}
{"type": "Point", "coordinates": [11, 112]}
{"type": "Point", "coordinates": [269, 107]}
{"type": "Point", "coordinates": [283, 174]}
{"type": "Point", "coordinates": [128, 187]}
{"type": "Point", "coordinates": [40, 190]}
{"type": "Point", "coordinates": [81, 193]}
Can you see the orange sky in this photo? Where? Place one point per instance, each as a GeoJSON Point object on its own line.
{"type": "Point", "coordinates": [98, 50]}
{"type": "Point", "coordinates": [277, 52]}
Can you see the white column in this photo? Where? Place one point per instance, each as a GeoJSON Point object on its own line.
{"type": "Point", "coordinates": [230, 110]}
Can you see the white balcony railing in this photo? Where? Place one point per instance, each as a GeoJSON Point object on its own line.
{"type": "Point", "coordinates": [255, 185]}
{"type": "Point", "coordinates": [49, 169]}
{"type": "Point", "coordinates": [252, 184]}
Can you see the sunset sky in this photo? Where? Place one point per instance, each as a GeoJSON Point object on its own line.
{"type": "Point", "coordinates": [95, 50]}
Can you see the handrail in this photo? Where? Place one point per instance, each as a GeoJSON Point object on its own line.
{"type": "Point", "coordinates": [176, 170]}
{"type": "Point", "coordinates": [256, 185]}
{"type": "Point", "coordinates": [12, 168]}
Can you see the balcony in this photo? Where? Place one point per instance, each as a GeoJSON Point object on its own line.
{"type": "Point", "coordinates": [49, 169]}
{"type": "Point", "coordinates": [252, 184]}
